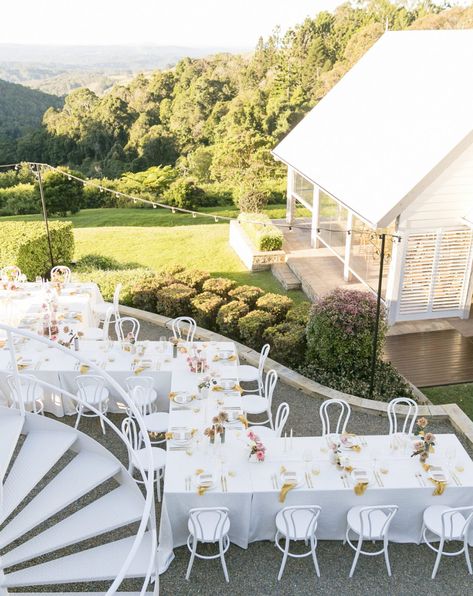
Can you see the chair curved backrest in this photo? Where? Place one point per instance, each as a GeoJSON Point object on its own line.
{"type": "Point", "coordinates": [178, 328]}
{"type": "Point", "coordinates": [369, 516]}
{"type": "Point", "coordinates": [123, 323]}
{"type": "Point", "coordinates": [409, 420]}
{"type": "Point", "coordinates": [343, 418]}
{"type": "Point", "coordinates": [449, 519]}
{"type": "Point", "coordinates": [61, 272]}
{"type": "Point", "coordinates": [140, 390]}
{"type": "Point", "coordinates": [28, 392]}
{"type": "Point", "coordinates": [116, 298]}
{"type": "Point", "coordinates": [106, 322]}
{"type": "Point", "coordinates": [91, 388]}
{"type": "Point", "coordinates": [10, 273]}
{"type": "Point", "coordinates": [282, 414]}
{"type": "Point", "coordinates": [292, 516]}
{"type": "Point", "coordinates": [270, 385]}
{"type": "Point", "coordinates": [130, 430]}
{"type": "Point", "coordinates": [262, 358]}
{"type": "Point", "coordinates": [213, 518]}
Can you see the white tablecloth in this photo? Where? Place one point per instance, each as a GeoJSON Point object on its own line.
{"type": "Point", "coordinates": [254, 502]}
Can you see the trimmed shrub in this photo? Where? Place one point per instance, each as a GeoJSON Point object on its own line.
{"type": "Point", "coordinates": [95, 261]}
{"type": "Point", "coordinates": [253, 201]}
{"type": "Point", "coordinates": [19, 200]}
{"type": "Point", "coordinates": [25, 244]}
{"type": "Point", "coordinates": [252, 326]}
{"type": "Point", "coordinates": [184, 193]}
{"type": "Point", "coordinates": [145, 293]}
{"type": "Point", "coordinates": [172, 269]}
{"type": "Point", "coordinates": [229, 315]}
{"type": "Point", "coordinates": [287, 341]}
{"type": "Point", "coordinates": [261, 232]}
{"type": "Point", "coordinates": [174, 300]}
{"type": "Point", "coordinates": [205, 307]}
{"type": "Point", "coordinates": [247, 294]}
{"type": "Point", "coordinates": [299, 314]}
{"type": "Point", "coordinates": [275, 304]}
{"type": "Point", "coordinates": [61, 195]}
{"type": "Point", "coordinates": [107, 280]}
{"type": "Point", "coordinates": [219, 285]}
{"type": "Point", "coordinates": [194, 278]}
{"type": "Point", "coordinates": [339, 333]}
{"type": "Point", "coordinates": [388, 383]}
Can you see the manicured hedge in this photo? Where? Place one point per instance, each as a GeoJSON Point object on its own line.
{"type": "Point", "coordinates": [107, 280]}
{"type": "Point", "coordinates": [219, 285]}
{"type": "Point", "coordinates": [288, 343]}
{"type": "Point", "coordinates": [174, 300]}
{"type": "Point", "coordinates": [247, 294]}
{"type": "Point", "coordinates": [205, 308]}
{"type": "Point", "coordinates": [25, 244]}
{"type": "Point", "coordinates": [263, 234]}
{"type": "Point", "coordinates": [275, 304]}
{"type": "Point", "coordinates": [252, 326]}
{"type": "Point", "coordinates": [229, 315]}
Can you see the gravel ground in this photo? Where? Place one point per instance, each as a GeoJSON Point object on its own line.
{"type": "Point", "coordinates": [255, 570]}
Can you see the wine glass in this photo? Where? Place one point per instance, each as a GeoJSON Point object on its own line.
{"type": "Point", "coordinates": [307, 457]}
{"type": "Point", "coordinates": [450, 454]}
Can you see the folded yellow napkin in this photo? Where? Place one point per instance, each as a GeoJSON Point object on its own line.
{"type": "Point", "coordinates": [216, 358]}
{"type": "Point", "coordinates": [426, 467]}
{"type": "Point", "coordinates": [285, 488]}
{"type": "Point", "coordinates": [356, 448]}
{"type": "Point", "coordinates": [22, 366]}
{"type": "Point", "coordinates": [78, 317]}
{"type": "Point", "coordinates": [243, 420]}
{"type": "Point", "coordinates": [84, 368]}
{"type": "Point", "coordinates": [139, 370]}
{"type": "Point", "coordinates": [201, 490]}
{"type": "Point", "coordinates": [219, 388]}
{"type": "Point", "coordinates": [360, 488]}
{"type": "Point", "coordinates": [440, 486]}
{"type": "Point", "coordinates": [183, 350]}
{"type": "Point", "coordinates": [168, 436]}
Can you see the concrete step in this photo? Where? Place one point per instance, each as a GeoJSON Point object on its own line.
{"type": "Point", "coordinates": [285, 276]}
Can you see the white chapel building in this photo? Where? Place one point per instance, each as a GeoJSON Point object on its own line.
{"type": "Point", "coordinates": [390, 149]}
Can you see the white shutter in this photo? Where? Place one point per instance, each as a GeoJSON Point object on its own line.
{"type": "Point", "coordinates": [436, 272]}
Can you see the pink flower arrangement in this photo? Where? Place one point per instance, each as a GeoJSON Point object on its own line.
{"type": "Point", "coordinates": [256, 446]}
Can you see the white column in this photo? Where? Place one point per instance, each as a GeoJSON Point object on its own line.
{"type": "Point", "coordinates": [314, 240]}
{"type": "Point", "coordinates": [289, 198]}
{"type": "Point", "coordinates": [346, 260]}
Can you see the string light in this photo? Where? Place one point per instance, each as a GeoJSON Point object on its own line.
{"type": "Point", "coordinates": [155, 205]}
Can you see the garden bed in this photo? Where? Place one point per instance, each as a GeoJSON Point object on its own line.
{"type": "Point", "coordinates": [253, 259]}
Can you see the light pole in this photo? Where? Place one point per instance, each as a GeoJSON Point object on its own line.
{"type": "Point", "coordinates": [45, 213]}
{"type": "Point", "coordinates": [374, 348]}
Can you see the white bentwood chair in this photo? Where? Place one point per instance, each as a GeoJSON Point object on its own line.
{"type": "Point", "coordinates": [101, 309]}
{"type": "Point", "coordinates": [92, 391]}
{"type": "Point", "coordinates": [208, 525]}
{"type": "Point", "coordinates": [260, 404]}
{"type": "Point", "coordinates": [125, 325]}
{"type": "Point", "coordinates": [264, 432]}
{"type": "Point", "coordinates": [29, 392]}
{"type": "Point", "coordinates": [297, 523]}
{"type": "Point", "coordinates": [370, 523]}
{"type": "Point", "coordinates": [157, 424]}
{"type": "Point", "coordinates": [409, 420]}
{"type": "Point", "coordinates": [142, 393]}
{"type": "Point", "coordinates": [138, 456]}
{"type": "Point", "coordinates": [184, 328]}
{"type": "Point", "coordinates": [252, 374]}
{"type": "Point", "coordinates": [100, 333]}
{"type": "Point", "coordinates": [447, 524]}
{"type": "Point", "coordinates": [61, 272]}
{"type": "Point", "coordinates": [10, 273]}
{"type": "Point", "coordinates": [343, 418]}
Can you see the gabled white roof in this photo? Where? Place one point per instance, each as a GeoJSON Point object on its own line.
{"type": "Point", "coordinates": [388, 122]}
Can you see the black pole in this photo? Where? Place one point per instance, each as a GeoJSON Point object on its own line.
{"type": "Point", "coordinates": [374, 348]}
{"type": "Point", "coordinates": [45, 214]}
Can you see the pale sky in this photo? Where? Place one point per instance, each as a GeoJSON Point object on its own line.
{"type": "Point", "coordinates": [226, 23]}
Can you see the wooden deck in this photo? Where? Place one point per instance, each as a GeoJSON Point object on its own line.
{"type": "Point", "coordinates": [432, 358]}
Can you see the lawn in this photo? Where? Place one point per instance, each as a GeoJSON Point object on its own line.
{"type": "Point", "coordinates": [452, 394]}
{"type": "Point", "coordinates": [155, 238]}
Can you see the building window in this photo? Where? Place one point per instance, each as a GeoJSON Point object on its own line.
{"type": "Point", "coordinates": [303, 189]}
{"type": "Point", "coordinates": [333, 222]}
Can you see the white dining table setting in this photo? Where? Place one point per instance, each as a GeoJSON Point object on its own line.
{"type": "Point", "coordinates": [253, 490]}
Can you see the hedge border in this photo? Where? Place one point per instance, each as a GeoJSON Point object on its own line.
{"type": "Point", "coordinates": [452, 412]}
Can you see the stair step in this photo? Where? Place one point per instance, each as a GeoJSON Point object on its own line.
{"type": "Point", "coordinates": [95, 564]}
{"type": "Point", "coordinates": [39, 452]}
{"type": "Point", "coordinates": [85, 472]}
{"type": "Point", "coordinates": [286, 277]}
{"type": "Point", "coordinates": [118, 508]}
{"type": "Point", "coordinates": [11, 423]}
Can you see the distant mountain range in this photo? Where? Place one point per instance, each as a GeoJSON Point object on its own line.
{"type": "Point", "coordinates": [59, 69]}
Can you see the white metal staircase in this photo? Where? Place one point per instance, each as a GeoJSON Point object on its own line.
{"type": "Point", "coordinates": [70, 513]}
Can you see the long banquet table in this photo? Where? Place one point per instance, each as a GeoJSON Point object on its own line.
{"type": "Point", "coordinates": [249, 489]}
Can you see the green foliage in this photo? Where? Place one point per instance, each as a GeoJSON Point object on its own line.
{"type": "Point", "coordinates": [299, 314]}
{"type": "Point", "coordinates": [205, 307]}
{"type": "Point", "coordinates": [107, 280]}
{"type": "Point", "coordinates": [276, 304]}
{"type": "Point", "coordinates": [26, 245]}
{"type": "Point", "coordinates": [251, 327]}
{"type": "Point", "coordinates": [61, 195]}
{"type": "Point", "coordinates": [191, 277]}
{"type": "Point", "coordinates": [228, 317]}
{"type": "Point", "coordinates": [247, 294]}
{"type": "Point", "coordinates": [174, 300]}
{"type": "Point", "coordinates": [287, 341]}
{"type": "Point", "coordinates": [253, 201]}
{"type": "Point", "coordinates": [94, 261]}
{"type": "Point", "coordinates": [145, 292]}
{"type": "Point", "coordinates": [185, 193]}
{"type": "Point", "coordinates": [262, 233]}
{"type": "Point", "coordinates": [19, 200]}
{"type": "Point", "coordinates": [219, 285]}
